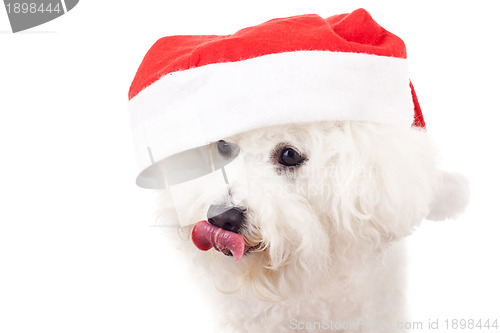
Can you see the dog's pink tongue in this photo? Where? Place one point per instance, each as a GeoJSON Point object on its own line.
{"type": "Point", "coordinates": [205, 236]}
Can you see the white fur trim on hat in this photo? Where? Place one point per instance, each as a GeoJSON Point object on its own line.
{"type": "Point", "coordinates": [205, 104]}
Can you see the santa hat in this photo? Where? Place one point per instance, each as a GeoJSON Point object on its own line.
{"type": "Point", "coordinates": [193, 90]}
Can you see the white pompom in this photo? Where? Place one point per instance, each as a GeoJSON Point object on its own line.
{"type": "Point", "coordinates": [452, 197]}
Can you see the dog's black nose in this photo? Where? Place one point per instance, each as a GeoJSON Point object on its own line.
{"type": "Point", "coordinates": [228, 218]}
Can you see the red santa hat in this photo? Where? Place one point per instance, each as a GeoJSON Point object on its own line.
{"type": "Point", "coordinates": [193, 90]}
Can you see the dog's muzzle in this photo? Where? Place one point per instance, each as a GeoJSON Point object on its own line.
{"type": "Point", "coordinates": [223, 231]}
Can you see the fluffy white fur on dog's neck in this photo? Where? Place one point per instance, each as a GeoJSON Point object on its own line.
{"type": "Point", "coordinates": [331, 231]}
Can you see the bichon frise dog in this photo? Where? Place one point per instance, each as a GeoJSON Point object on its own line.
{"type": "Point", "coordinates": [323, 218]}
{"type": "Point", "coordinates": [295, 159]}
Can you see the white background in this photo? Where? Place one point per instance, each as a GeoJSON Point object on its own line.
{"type": "Point", "coordinates": [77, 249]}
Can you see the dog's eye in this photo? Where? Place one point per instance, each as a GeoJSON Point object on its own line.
{"type": "Point", "coordinates": [290, 157]}
{"type": "Point", "coordinates": [224, 148]}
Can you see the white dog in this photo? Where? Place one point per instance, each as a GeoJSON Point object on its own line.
{"type": "Point", "coordinates": [327, 207]}
{"type": "Point", "coordinates": [317, 166]}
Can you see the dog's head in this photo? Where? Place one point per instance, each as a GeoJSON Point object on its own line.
{"type": "Point", "coordinates": [316, 196]}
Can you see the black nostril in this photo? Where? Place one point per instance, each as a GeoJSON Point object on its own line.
{"type": "Point", "coordinates": [228, 218]}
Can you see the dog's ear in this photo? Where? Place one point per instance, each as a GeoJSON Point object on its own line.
{"type": "Point", "coordinates": [386, 181]}
{"type": "Point", "coordinates": [452, 197]}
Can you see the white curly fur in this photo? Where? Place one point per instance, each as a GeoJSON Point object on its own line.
{"type": "Point", "coordinates": [330, 232]}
